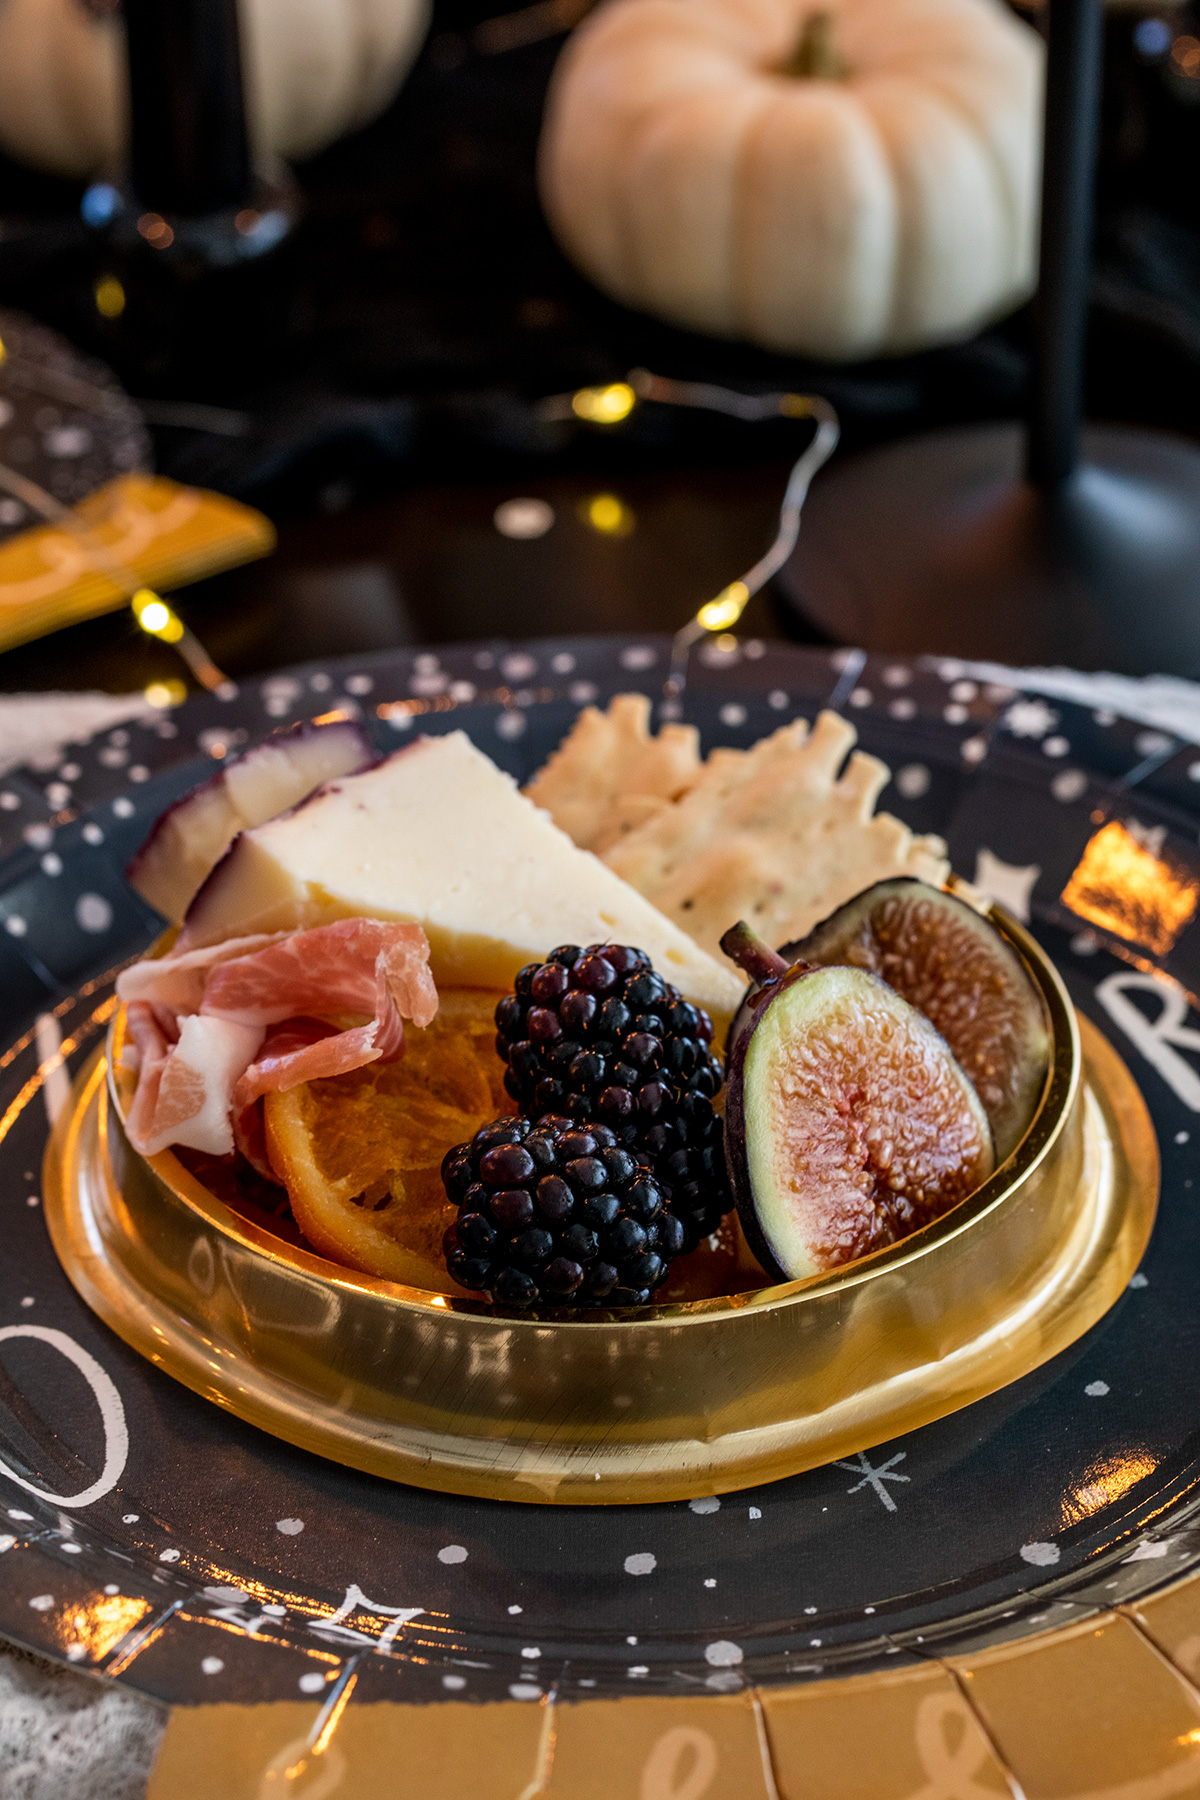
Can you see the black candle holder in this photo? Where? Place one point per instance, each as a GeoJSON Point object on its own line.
{"type": "Point", "coordinates": [195, 211]}
{"type": "Point", "coordinates": [1047, 541]}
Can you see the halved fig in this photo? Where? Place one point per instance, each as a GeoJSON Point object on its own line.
{"type": "Point", "coordinates": [952, 964]}
{"type": "Point", "coordinates": [191, 837]}
{"type": "Point", "coordinates": [849, 1123]}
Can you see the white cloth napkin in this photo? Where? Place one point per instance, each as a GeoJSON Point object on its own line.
{"type": "Point", "coordinates": [1162, 701]}
{"type": "Point", "coordinates": [34, 728]}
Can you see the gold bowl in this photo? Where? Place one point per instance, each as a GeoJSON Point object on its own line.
{"type": "Point", "coordinates": [664, 1403]}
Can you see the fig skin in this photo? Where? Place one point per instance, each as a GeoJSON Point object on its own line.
{"type": "Point", "coordinates": [950, 962]}
{"type": "Point", "coordinates": [851, 1168]}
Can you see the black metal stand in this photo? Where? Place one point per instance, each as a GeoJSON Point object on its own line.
{"type": "Point", "coordinates": [190, 152]}
{"type": "Point", "coordinates": [194, 194]}
{"type": "Point", "coordinates": [194, 211]}
{"type": "Point", "coordinates": [1050, 542]}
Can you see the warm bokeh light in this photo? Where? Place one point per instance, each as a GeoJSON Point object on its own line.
{"type": "Point", "coordinates": [1185, 55]}
{"type": "Point", "coordinates": [1104, 1483]}
{"type": "Point", "coordinates": [155, 616]}
{"type": "Point", "coordinates": [110, 297]}
{"type": "Point", "coordinates": [3, 351]}
{"type": "Point", "coordinates": [609, 516]}
{"type": "Point", "coordinates": [604, 405]}
{"type": "Point", "coordinates": [1123, 885]}
{"type": "Point", "coordinates": [164, 694]}
{"type": "Point", "coordinates": [154, 228]}
{"type": "Point", "coordinates": [726, 609]}
{"type": "Point", "coordinates": [97, 1627]}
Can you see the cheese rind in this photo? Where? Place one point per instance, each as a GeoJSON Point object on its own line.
{"type": "Point", "coordinates": [189, 839]}
{"type": "Point", "coordinates": [439, 835]}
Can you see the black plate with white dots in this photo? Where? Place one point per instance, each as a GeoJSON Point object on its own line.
{"type": "Point", "coordinates": [146, 1534]}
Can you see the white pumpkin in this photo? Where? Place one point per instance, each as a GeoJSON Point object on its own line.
{"type": "Point", "coordinates": [885, 203]}
{"type": "Point", "coordinates": [314, 69]}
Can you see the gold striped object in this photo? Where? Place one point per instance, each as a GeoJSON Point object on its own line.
{"type": "Point", "coordinates": [1102, 1710]}
{"type": "Point", "coordinates": [162, 534]}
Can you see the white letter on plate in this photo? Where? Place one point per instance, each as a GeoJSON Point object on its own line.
{"type": "Point", "coordinates": [1161, 1039]}
{"type": "Point", "coordinates": [112, 1413]}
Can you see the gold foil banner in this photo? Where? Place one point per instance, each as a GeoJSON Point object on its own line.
{"type": "Point", "coordinates": [1124, 885]}
{"type": "Point", "coordinates": [163, 534]}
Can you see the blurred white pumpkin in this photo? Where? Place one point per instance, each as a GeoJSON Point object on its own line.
{"type": "Point", "coordinates": [856, 181]}
{"type": "Point", "coordinates": [314, 69]}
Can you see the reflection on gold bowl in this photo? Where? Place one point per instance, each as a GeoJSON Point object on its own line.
{"type": "Point", "coordinates": [666, 1403]}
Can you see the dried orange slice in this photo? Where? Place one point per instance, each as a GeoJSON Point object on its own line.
{"type": "Point", "coordinates": [360, 1154]}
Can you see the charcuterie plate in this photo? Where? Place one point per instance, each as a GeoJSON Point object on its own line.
{"type": "Point", "coordinates": [151, 1535]}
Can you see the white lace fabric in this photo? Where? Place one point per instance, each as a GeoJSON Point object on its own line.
{"type": "Point", "coordinates": [69, 1736]}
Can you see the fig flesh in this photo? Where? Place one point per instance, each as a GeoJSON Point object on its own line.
{"type": "Point", "coordinates": [849, 1122]}
{"type": "Point", "coordinates": [952, 964]}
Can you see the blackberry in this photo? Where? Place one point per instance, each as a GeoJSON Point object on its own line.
{"type": "Point", "coordinates": [557, 1214]}
{"type": "Point", "coordinates": [596, 1035]}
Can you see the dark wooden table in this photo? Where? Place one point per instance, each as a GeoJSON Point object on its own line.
{"type": "Point", "coordinates": [429, 565]}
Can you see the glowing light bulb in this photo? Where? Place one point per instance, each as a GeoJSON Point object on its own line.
{"type": "Point", "coordinates": [726, 609]}
{"type": "Point", "coordinates": [609, 516]}
{"type": "Point", "coordinates": [155, 616]}
{"type": "Point", "coordinates": [164, 694]}
{"type": "Point", "coordinates": [110, 297]}
{"type": "Point", "coordinates": [604, 405]}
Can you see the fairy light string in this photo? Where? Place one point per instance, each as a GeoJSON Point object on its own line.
{"type": "Point", "coordinates": [152, 613]}
{"type": "Point", "coordinates": [612, 403]}
{"type": "Point", "coordinates": [603, 406]}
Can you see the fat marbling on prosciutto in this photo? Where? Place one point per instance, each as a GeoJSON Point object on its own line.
{"type": "Point", "coordinates": [201, 1025]}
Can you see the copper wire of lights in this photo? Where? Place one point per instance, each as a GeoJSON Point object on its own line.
{"type": "Point", "coordinates": [612, 404]}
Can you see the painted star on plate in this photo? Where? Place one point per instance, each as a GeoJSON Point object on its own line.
{"type": "Point", "coordinates": [1011, 884]}
{"type": "Point", "coordinates": [1150, 837]}
{"type": "Point", "coordinates": [1030, 718]}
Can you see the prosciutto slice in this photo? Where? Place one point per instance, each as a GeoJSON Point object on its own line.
{"type": "Point", "coordinates": [277, 1055]}
{"type": "Point", "coordinates": [179, 981]}
{"type": "Point", "coordinates": [190, 1091]}
{"type": "Point", "coordinates": [147, 1052]}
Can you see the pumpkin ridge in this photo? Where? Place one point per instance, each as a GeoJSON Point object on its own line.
{"type": "Point", "coordinates": [843, 328]}
{"type": "Point", "coordinates": [915, 219]}
{"type": "Point", "coordinates": [723, 313]}
{"type": "Point", "coordinates": [740, 310]}
{"type": "Point", "coordinates": [1020, 255]}
{"type": "Point", "coordinates": [1015, 256]}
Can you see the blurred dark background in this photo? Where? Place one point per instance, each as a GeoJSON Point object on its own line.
{"type": "Point", "coordinates": [380, 373]}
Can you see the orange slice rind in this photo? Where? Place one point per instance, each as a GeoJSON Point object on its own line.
{"type": "Point", "coordinates": [360, 1154]}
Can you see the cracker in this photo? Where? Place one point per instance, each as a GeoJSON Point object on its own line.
{"type": "Point", "coordinates": [774, 835]}
{"type": "Point", "coordinates": [610, 775]}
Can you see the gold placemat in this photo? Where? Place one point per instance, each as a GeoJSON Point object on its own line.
{"type": "Point", "coordinates": [1104, 1710]}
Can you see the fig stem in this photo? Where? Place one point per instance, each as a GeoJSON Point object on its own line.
{"type": "Point", "coordinates": [743, 946]}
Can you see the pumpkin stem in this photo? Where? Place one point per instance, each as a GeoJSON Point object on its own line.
{"type": "Point", "coordinates": [816, 57]}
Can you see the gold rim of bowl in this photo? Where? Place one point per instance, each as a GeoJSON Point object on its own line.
{"type": "Point", "coordinates": [667, 1402]}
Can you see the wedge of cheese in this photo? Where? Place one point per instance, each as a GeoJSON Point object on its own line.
{"type": "Point", "coordinates": [439, 835]}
